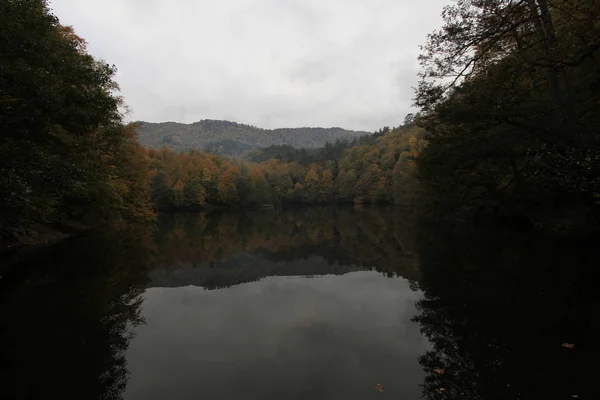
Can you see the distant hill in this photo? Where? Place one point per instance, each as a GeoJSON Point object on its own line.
{"type": "Point", "coordinates": [225, 137]}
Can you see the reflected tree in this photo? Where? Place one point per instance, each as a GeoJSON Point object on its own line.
{"type": "Point", "coordinates": [379, 238]}
{"type": "Point", "coordinates": [68, 315]}
{"type": "Point", "coordinates": [499, 305]}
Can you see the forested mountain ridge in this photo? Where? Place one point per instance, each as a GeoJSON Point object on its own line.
{"type": "Point", "coordinates": [378, 169]}
{"type": "Point", "coordinates": [225, 137]}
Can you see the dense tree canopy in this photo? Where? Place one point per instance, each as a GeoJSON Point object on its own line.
{"type": "Point", "coordinates": [231, 138]}
{"type": "Point", "coordinates": [382, 170]}
{"type": "Point", "coordinates": [64, 150]}
{"type": "Point", "coordinates": [510, 101]}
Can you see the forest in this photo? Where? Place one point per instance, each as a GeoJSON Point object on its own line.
{"type": "Point", "coordinates": [379, 170]}
{"type": "Point", "coordinates": [66, 155]}
{"type": "Point", "coordinates": [509, 97]}
{"type": "Point", "coordinates": [508, 113]}
{"type": "Point", "coordinates": [231, 138]}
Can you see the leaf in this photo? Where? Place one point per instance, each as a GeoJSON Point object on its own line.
{"type": "Point", "coordinates": [439, 371]}
{"type": "Point", "coordinates": [379, 387]}
{"type": "Point", "coordinates": [568, 345]}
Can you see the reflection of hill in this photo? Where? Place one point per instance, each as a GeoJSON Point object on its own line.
{"type": "Point", "coordinates": [241, 268]}
{"type": "Point", "coordinates": [225, 249]}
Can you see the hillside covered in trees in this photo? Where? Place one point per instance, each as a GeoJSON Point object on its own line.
{"type": "Point", "coordinates": [378, 170]}
{"type": "Point", "coordinates": [225, 137]}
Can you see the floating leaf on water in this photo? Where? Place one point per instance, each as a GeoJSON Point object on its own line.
{"type": "Point", "coordinates": [379, 387]}
{"type": "Point", "coordinates": [442, 389]}
{"type": "Point", "coordinates": [575, 396]}
{"type": "Point", "coordinates": [568, 345]}
{"type": "Point", "coordinates": [439, 371]}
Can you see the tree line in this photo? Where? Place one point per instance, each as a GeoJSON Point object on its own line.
{"type": "Point", "coordinates": [381, 170]}
{"type": "Point", "coordinates": [68, 159]}
{"type": "Point", "coordinates": [508, 102]}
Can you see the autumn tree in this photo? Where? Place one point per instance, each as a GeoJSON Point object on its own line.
{"type": "Point", "coordinates": [64, 152]}
{"type": "Point", "coordinates": [162, 192]}
{"type": "Point", "coordinates": [312, 185]}
{"type": "Point", "coordinates": [226, 186]}
{"type": "Point", "coordinates": [327, 185]}
{"type": "Point", "coordinates": [194, 193]}
{"type": "Point", "coordinates": [362, 172]}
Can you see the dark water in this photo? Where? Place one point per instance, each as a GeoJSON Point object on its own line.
{"type": "Point", "coordinates": [303, 304]}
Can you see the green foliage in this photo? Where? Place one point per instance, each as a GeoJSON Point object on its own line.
{"type": "Point", "coordinates": [285, 153]}
{"type": "Point", "coordinates": [64, 151]}
{"type": "Point", "coordinates": [225, 137]}
{"type": "Point", "coordinates": [509, 98]}
{"type": "Point", "coordinates": [332, 151]}
{"type": "Point", "coordinates": [162, 193]}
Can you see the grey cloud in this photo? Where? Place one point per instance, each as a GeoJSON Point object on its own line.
{"type": "Point", "coordinates": [270, 63]}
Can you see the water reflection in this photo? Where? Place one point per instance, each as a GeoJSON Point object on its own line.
{"type": "Point", "coordinates": [499, 305]}
{"type": "Point", "coordinates": [315, 303]}
{"type": "Point", "coordinates": [307, 312]}
{"type": "Point", "coordinates": [297, 307]}
{"type": "Point", "coordinates": [67, 317]}
{"type": "Point", "coordinates": [226, 249]}
{"type": "Point", "coordinates": [331, 337]}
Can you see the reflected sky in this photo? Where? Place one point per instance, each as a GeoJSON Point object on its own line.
{"type": "Point", "coordinates": [287, 337]}
{"type": "Point", "coordinates": [305, 304]}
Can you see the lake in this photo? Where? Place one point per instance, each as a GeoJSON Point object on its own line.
{"type": "Point", "coordinates": [310, 303]}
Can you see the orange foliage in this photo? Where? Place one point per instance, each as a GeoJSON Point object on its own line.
{"type": "Point", "coordinates": [382, 171]}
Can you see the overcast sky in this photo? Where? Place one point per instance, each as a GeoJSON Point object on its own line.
{"type": "Point", "coordinates": [269, 63]}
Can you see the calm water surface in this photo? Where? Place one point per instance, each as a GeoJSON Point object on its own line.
{"type": "Point", "coordinates": [295, 337]}
{"type": "Point", "coordinates": [303, 304]}
{"type": "Point", "coordinates": [276, 306]}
